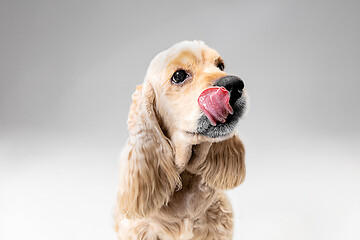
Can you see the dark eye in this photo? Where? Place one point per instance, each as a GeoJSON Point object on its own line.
{"type": "Point", "coordinates": [179, 76]}
{"type": "Point", "coordinates": [221, 66]}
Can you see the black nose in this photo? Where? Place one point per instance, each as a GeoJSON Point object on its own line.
{"type": "Point", "coordinates": [233, 84]}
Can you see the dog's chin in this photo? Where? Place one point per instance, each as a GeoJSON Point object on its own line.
{"type": "Point", "coordinates": [222, 130]}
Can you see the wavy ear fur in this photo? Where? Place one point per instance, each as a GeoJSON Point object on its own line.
{"type": "Point", "coordinates": [224, 165]}
{"type": "Point", "coordinates": [148, 175]}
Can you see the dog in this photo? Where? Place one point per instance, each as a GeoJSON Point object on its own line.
{"type": "Point", "coordinates": [182, 151]}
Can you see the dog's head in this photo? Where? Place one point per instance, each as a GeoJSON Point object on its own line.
{"type": "Point", "coordinates": [194, 94]}
{"type": "Point", "coordinates": [182, 119]}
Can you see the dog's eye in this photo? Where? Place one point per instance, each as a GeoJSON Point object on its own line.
{"type": "Point", "coordinates": [221, 66]}
{"type": "Point", "coordinates": [179, 76]}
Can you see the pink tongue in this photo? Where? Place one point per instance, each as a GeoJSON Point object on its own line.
{"type": "Point", "coordinates": [214, 102]}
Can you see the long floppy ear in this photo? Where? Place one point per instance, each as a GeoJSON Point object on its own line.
{"type": "Point", "coordinates": [148, 175]}
{"type": "Point", "coordinates": [224, 165]}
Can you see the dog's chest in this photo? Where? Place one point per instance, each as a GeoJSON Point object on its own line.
{"type": "Point", "coordinates": [186, 207]}
{"type": "Point", "coordinates": [193, 198]}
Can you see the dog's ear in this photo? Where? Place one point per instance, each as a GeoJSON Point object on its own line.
{"type": "Point", "coordinates": [148, 175]}
{"type": "Point", "coordinates": [224, 165]}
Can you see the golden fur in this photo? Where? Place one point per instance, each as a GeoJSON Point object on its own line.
{"type": "Point", "coordinates": [172, 179]}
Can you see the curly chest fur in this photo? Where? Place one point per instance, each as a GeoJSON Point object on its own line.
{"type": "Point", "coordinates": [197, 212]}
{"type": "Point", "coordinates": [194, 212]}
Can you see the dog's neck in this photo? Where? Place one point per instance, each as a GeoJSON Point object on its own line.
{"type": "Point", "coordinates": [189, 151]}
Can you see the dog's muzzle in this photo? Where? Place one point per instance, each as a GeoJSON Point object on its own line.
{"type": "Point", "coordinates": [222, 104]}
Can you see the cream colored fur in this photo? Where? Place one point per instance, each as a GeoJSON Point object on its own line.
{"type": "Point", "coordinates": [172, 179]}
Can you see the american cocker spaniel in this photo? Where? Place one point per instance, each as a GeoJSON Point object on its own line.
{"type": "Point", "coordinates": [182, 151]}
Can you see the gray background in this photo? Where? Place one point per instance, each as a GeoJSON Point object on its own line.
{"type": "Point", "coordinates": [67, 72]}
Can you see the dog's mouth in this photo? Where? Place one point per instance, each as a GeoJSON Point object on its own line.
{"type": "Point", "coordinates": [215, 104]}
{"type": "Point", "coordinates": [221, 112]}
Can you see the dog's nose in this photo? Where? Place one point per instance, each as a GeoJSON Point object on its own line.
{"type": "Point", "coordinates": [233, 84]}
